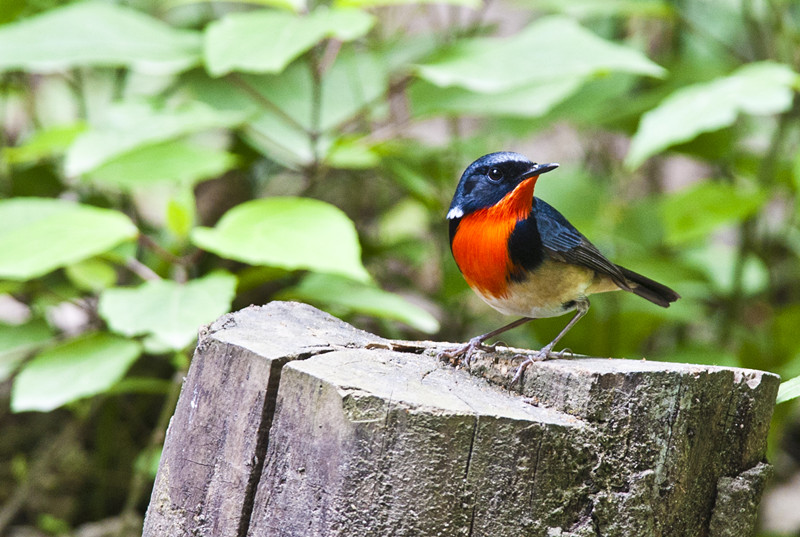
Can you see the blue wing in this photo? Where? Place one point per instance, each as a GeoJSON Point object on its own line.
{"type": "Point", "coordinates": [562, 242]}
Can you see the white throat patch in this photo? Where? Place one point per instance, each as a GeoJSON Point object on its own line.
{"type": "Point", "coordinates": [455, 212]}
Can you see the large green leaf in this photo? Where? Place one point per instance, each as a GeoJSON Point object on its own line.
{"type": "Point", "coordinates": [167, 310]}
{"type": "Point", "coordinates": [174, 161]}
{"type": "Point", "coordinates": [286, 232]}
{"type": "Point", "coordinates": [267, 41]}
{"type": "Point", "coordinates": [81, 367]}
{"type": "Point", "coordinates": [39, 235]}
{"type": "Point", "coordinates": [526, 101]}
{"type": "Point", "coordinates": [345, 296]}
{"type": "Point", "coordinates": [97, 34]}
{"type": "Point", "coordinates": [696, 211]}
{"type": "Point", "coordinates": [760, 89]}
{"type": "Point", "coordinates": [550, 49]}
{"type": "Point", "coordinates": [133, 125]}
{"type": "Point", "coordinates": [17, 341]}
{"type": "Point", "coordinates": [348, 88]}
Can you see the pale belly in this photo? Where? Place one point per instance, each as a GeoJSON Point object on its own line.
{"type": "Point", "coordinates": [550, 292]}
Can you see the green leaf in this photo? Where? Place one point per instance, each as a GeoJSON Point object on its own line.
{"type": "Point", "coordinates": [350, 153]}
{"type": "Point", "coordinates": [788, 390]}
{"type": "Point", "coordinates": [413, 180]}
{"type": "Point", "coordinates": [96, 34]}
{"type": "Point", "coordinates": [719, 262]}
{"type": "Point", "coordinates": [347, 296]}
{"type": "Point", "coordinates": [132, 125]}
{"type": "Point", "coordinates": [40, 235]}
{"type": "Point", "coordinates": [549, 50]}
{"type": "Point", "coordinates": [169, 311]}
{"type": "Point", "coordinates": [82, 367]}
{"type": "Point", "coordinates": [91, 275]}
{"type": "Point", "coordinates": [409, 219]}
{"type": "Point", "coordinates": [526, 101]}
{"type": "Point", "coordinates": [694, 212]}
{"type": "Point", "coordinates": [283, 141]}
{"type": "Point", "coordinates": [267, 41]}
{"type": "Point", "coordinates": [349, 87]}
{"type": "Point", "coordinates": [44, 143]}
{"type": "Point", "coordinates": [11, 10]}
{"type": "Point", "coordinates": [342, 98]}
{"type": "Point", "coordinates": [763, 88]}
{"type": "Point", "coordinates": [286, 232]}
{"type": "Point", "coordinates": [174, 161]}
{"type": "Point", "coordinates": [182, 213]}
{"type": "Point", "coordinates": [17, 341]}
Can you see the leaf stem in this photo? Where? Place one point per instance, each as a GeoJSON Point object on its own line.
{"type": "Point", "coordinates": [242, 84]}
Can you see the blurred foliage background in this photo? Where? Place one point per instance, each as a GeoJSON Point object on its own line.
{"type": "Point", "coordinates": [164, 162]}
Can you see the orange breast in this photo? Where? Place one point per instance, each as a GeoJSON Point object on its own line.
{"type": "Point", "coordinates": [480, 246]}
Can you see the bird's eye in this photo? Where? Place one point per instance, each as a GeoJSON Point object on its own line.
{"type": "Point", "coordinates": [495, 174]}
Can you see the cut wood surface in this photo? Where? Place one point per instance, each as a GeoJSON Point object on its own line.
{"type": "Point", "coordinates": [293, 423]}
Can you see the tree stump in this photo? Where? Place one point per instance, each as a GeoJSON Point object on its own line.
{"type": "Point", "coordinates": [293, 423]}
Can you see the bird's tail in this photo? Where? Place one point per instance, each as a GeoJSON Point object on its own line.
{"type": "Point", "coordinates": [651, 290]}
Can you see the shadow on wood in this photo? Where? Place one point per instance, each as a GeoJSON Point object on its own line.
{"type": "Point", "coordinates": [293, 423]}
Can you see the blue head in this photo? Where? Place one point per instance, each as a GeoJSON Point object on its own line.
{"type": "Point", "coordinates": [490, 178]}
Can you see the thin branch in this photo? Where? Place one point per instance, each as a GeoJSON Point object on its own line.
{"type": "Point", "coordinates": [148, 242]}
{"type": "Point", "coordinates": [314, 170]}
{"type": "Point", "coordinates": [332, 48]}
{"type": "Point", "coordinates": [140, 269]}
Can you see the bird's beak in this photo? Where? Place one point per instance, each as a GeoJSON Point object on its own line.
{"type": "Point", "coordinates": [538, 169]}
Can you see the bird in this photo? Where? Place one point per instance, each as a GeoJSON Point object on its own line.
{"type": "Point", "coordinates": [524, 258]}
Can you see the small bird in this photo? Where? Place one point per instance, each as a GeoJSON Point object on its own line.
{"type": "Point", "coordinates": [522, 257]}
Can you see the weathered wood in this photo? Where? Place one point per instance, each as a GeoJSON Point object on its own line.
{"type": "Point", "coordinates": [217, 438]}
{"type": "Point", "coordinates": [292, 423]}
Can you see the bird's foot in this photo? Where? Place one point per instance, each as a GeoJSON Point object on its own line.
{"type": "Point", "coordinates": [539, 356]}
{"type": "Point", "coordinates": [463, 353]}
{"type": "Point", "coordinates": [560, 354]}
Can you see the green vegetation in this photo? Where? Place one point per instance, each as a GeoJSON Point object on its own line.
{"type": "Point", "coordinates": [162, 163]}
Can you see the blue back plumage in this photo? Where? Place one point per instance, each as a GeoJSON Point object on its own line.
{"type": "Point", "coordinates": [556, 232]}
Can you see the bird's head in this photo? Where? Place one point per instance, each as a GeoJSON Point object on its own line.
{"type": "Point", "coordinates": [491, 178]}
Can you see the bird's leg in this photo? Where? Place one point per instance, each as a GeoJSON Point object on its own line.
{"type": "Point", "coordinates": [464, 352]}
{"type": "Point", "coordinates": [547, 351]}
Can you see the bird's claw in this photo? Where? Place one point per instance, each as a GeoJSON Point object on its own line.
{"type": "Point", "coordinates": [560, 354]}
{"type": "Point", "coordinates": [538, 356]}
{"type": "Point", "coordinates": [463, 354]}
